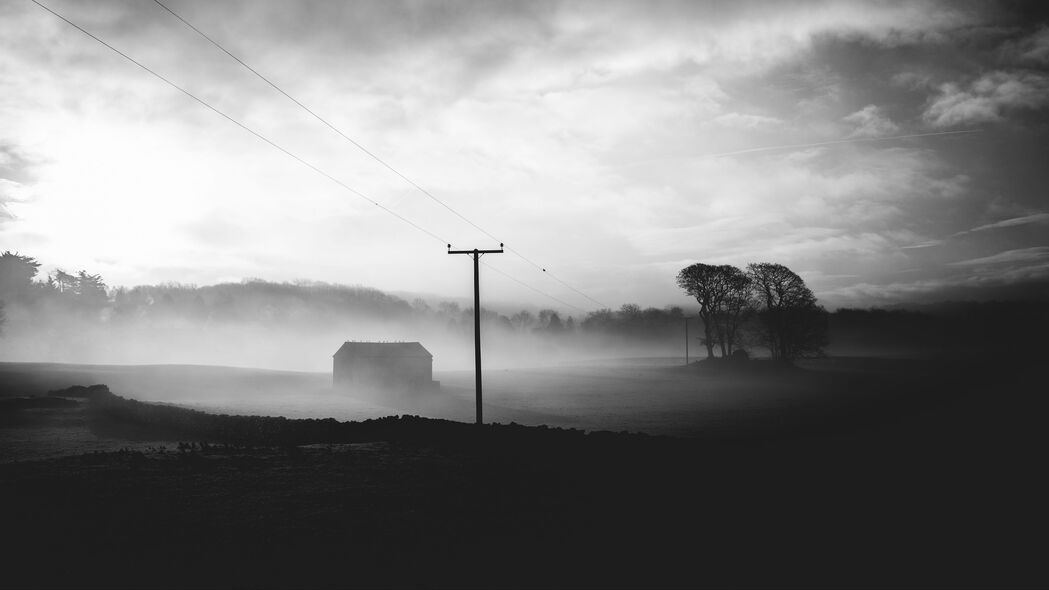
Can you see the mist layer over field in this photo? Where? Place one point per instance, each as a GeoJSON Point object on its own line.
{"type": "Point", "coordinates": [299, 327]}
{"type": "Point", "coordinates": [657, 396]}
{"type": "Point", "coordinates": [606, 370]}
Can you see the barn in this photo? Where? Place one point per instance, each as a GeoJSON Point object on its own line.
{"type": "Point", "coordinates": [400, 366]}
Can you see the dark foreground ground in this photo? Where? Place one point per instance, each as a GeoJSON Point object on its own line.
{"type": "Point", "coordinates": [932, 477]}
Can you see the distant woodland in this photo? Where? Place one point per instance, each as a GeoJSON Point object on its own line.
{"type": "Point", "coordinates": [59, 308]}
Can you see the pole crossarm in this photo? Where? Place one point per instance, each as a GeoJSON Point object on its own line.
{"type": "Point", "coordinates": [476, 254]}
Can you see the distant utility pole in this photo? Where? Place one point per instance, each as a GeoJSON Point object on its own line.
{"type": "Point", "coordinates": [686, 339]}
{"type": "Point", "coordinates": [477, 318]}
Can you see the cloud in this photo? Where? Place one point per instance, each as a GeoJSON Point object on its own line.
{"type": "Point", "coordinates": [1037, 254]}
{"type": "Point", "coordinates": [911, 80]}
{"type": "Point", "coordinates": [1030, 50]}
{"type": "Point", "coordinates": [15, 170]}
{"type": "Point", "coordinates": [987, 99]}
{"type": "Point", "coordinates": [15, 164]}
{"type": "Point", "coordinates": [747, 121]}
{"type": "Point", "coordinates": [801, 209]}
{"type": "Point", "coordinates": [1013, 274]}
{"type": "Point", "coordinates": [925, 244]}
{"type": "Point", "coordinates": [871, 122]}
{"type": "Point", "coordinates": [937, 290]}
{"type": "Point", "coordinates": [1037, 49]}
{"type": "Point", "coordinates": [1015, 221]}
{"type": "Point", "coordinates": [551, 124]}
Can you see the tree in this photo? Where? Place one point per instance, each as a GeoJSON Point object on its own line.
{"type": "Point", "coordinates": [711, 286]}
{"type": "Point", "coordinates": [16, 277]}
{"type": "Point", "coordinates": [736, 309]}
{"type": "Point", "coordinates": [601, 320]}
{"type": "Point", "coordinates": [793, 325]}
{"type": "Point", "coordinates": [522, 321]}
{"type": "Point", "coordinates": [90, 288]}
{"type": "Point", "coordinates": [630, 319]}
{"type": "Point", "coordinates": [549, 322]}
{"type": "Point", "coordinates": [62, 281]}
{"type": "Point", "coordinates": [555, 326]}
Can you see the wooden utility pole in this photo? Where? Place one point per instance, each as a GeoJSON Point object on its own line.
{"type": "Point", "coordinates": [686, 338]}
{"type": "Point", "coordinates": [686, 341]}
{"type": "Point", "coordinates": [477, 318]}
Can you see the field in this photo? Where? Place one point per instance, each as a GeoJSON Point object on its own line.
{"type": "Point", "coordinates": [840, 472]}
{"type": "Point", "coordinates": [656, 396]}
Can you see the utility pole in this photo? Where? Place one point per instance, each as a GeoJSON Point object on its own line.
{"type": "Point", "coordinates": [686, 341]}
{"type": "Point", "coordinates": [686, 338]}
{"type": "Point", "coordinates": [477, 318]}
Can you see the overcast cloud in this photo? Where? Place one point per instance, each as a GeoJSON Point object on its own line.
{"type": "Point", "coordinates": [612, 143]}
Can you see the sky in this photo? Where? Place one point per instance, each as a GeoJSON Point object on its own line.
{"type": "Point", "coordinates": [889, 153]}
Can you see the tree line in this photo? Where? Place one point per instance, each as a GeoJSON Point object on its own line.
{"type": "Point", "coordinates": [762, 306]}
{"type": "Point", "coordinates": [59, 295]}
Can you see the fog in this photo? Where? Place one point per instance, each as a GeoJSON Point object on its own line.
{"type": "Point", "coordinates": [266, 348]}
{"type": "Point", "coordinates": [654, 395]}
{"type": "Point", "coordinates": [293, 344]}
{"type": "Point", "coordinates": [281, 365]}
{"type": "Point", "coordinates": [258, 347]}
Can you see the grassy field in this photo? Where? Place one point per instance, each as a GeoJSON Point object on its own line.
{"type": "Point", "coordinates": [842, 472]}
{"type": "Point", "coordinates": [654, 396]}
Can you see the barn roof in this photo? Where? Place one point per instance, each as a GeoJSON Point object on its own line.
{"type": "Point", "coordinates": [382, 350]}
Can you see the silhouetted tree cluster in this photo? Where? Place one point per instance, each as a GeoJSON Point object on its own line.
{"type": "Point", "coordinates": [16, 278]}
{"type": "Point", "coordinates": [82, 292]}
{"type": "Point", "coordinates": [726, 300]}
{"type": "Point", "coordinates": [768, 304]}
{"type": "Point", "coordinates": [792, 324]}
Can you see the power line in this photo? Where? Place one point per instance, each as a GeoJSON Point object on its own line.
{"type": "Point", "coordinates": [552, 276]}
{"type": "Point", "coordinates": [526, 285]}
{"type": "Point", "coordinates": [246, 128]}
{"type": "Point", "coordinates": [285, 151]}
{"type": "Point", "coordinates": [370, 153]}
{"type": "Point", "coordinates": [321, 119]}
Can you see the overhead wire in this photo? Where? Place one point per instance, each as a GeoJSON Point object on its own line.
{"type": "Point", "coordinates": [319, 118]}
{"type": "Point", "coordinates": [526, 285]}
{"type": "Point", "coordinates": [279, 147]}
{"type": "Point", "coordinates": [552, 276]}
{"type": "Point", "coordinates": [372, 154]}
{"type": "Point", "coordinates": [246, 128]}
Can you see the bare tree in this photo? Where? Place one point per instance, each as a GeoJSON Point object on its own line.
{"type": "Point", "coordinates": [793, 324]}
{"type": "Point", "coordinates": [725, 300]}
{"type": "Point", "coordinates": [549, 322]}
{"type": "Point", "coordinates": [522, 321]}
{"type": "Point", "coordinates": [709, 285]}
{"type": "Point", "coordinates": [737, 308]}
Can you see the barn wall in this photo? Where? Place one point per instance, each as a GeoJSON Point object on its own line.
{"type": "Point", "coordinates": [413, 372]}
